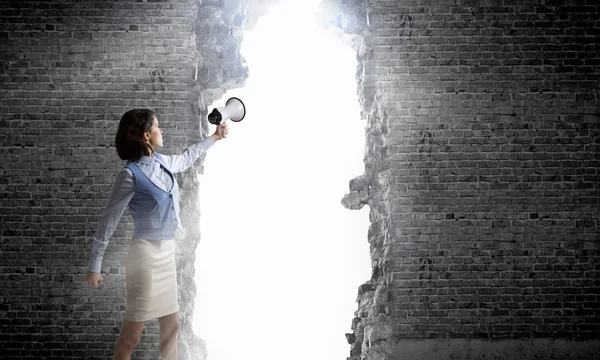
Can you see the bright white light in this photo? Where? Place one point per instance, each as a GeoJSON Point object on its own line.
{"type": "Point", "coordinates": [281, 259]}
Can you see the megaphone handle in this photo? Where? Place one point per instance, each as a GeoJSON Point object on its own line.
{"type": "Point", "coordinates": [223, 122]}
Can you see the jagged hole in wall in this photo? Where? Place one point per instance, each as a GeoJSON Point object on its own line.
{"type": "Point", "coordinates": [280, 258]}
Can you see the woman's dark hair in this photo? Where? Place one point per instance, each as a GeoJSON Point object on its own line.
{"type": "Point", "coordinates": [130, 141]}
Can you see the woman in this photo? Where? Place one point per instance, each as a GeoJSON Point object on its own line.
{"type": "Point", "coordinates": [147, 185]}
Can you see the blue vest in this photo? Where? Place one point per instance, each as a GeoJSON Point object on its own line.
{"type": "Point", "coordinates": [155, 211]}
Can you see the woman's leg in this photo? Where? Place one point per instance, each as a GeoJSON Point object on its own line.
{"type": "Point", "coordinates": [128, 339]}
{"type": "Point", "coordinates": [169, 326]}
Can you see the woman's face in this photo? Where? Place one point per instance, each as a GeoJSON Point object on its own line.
{"type": "Point", "coordinates": [154, 137]}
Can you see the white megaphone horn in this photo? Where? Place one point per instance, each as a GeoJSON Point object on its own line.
{"type": "Point", "coordinates": [234, 110]}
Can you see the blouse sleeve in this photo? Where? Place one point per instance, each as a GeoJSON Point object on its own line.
{"type": "Point", "coordinates": [122, 192]}
{"type": "Point", "coordinates": [181, 162]}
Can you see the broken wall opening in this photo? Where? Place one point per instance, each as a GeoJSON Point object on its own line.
{"type": "Point", "coordinates": [279, 253]}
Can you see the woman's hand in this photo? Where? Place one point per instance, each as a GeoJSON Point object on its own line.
{"type": "Point", "coordinates": [94, 279]}
{"type": "Point", "coordinates": [221, 132]}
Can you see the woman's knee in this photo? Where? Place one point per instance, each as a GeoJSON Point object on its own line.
{"type": "Point", "coordinates": [169, 325]}
{"type": "Point", "coordinates": [131, 333]}
{"type": "Point", "coordinates": [128, 341]}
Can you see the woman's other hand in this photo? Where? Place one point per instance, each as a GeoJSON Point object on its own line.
{"type": "Point", "coordinates": [94, 279]}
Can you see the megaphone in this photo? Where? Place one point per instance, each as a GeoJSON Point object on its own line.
{"type": "Point", "coordinates": [234, 110]}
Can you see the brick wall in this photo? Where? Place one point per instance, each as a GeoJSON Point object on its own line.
{"type": "Point", "coordinates": [68, 71]}
{"type": "Point", "coordinates": [483, 169]}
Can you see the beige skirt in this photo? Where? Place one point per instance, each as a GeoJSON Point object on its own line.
{"type": "Point", "coordinates": [151, 280]}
